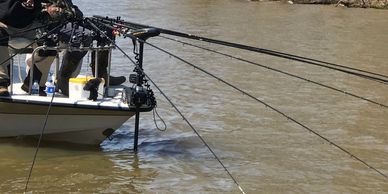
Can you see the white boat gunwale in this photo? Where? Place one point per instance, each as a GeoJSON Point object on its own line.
{"type": "Point", "coordinates": [95, 106]}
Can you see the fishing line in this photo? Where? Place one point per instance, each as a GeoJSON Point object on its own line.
{"type": "Point", "coordinates": [44, 124]}
{"type": "Point", "coordinates": [171, 103]}
{"type": "Point", "coordinates": [199, 136]}
{"type": "Point", "coordinates": [39, 142]}
{"type": "Point", "coordinates": [306, 60]}
{"type": "Point", "coordinates": [280, 71]}
{"type": "Point", "coordinates": [273, 108]}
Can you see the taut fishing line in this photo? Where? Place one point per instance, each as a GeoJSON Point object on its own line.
{"type": "Point", "coordinates": [44, 123]}
{"type": "Point", "coordinates": [280, 71]}
{"type": "Point", "coordinates": [274, 109]}
{"type": "Point", "coordinates": [39, 142]}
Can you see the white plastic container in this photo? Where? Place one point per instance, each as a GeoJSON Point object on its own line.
{"type": "Point", "coordinates": [76, 88]}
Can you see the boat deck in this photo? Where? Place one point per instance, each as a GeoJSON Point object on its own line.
{"type": "Point", "coordinates": [18, 95]}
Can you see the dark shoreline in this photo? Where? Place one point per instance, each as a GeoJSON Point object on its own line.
{"type": "Point", "coordinates": [378, 4]}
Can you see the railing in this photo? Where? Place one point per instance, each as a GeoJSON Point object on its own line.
{"type": "Point", "coordinates": [57, 59]}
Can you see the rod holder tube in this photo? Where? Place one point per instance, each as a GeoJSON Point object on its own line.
{"type": "Point", "coordinates": [11, 75]}
{"type": "Point", "coordinates": [56, 70]}
{"type": "Point", "coordinates": [109, 67]}
{"type": "Point", "coordinates": [96, 64]}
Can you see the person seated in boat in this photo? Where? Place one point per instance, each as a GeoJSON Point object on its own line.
{"type": "Point", "coordinates": [72, 60]}
{"type": "Point", "coordinates": [70, 70]}
{"type": "Point", "coordinates": [19, 18]}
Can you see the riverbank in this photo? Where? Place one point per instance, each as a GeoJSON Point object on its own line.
{"type": "Point", "coordinates": [379, 4]}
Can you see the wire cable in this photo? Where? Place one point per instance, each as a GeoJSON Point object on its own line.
{"type": "Point", "coordinates": [154, 114]}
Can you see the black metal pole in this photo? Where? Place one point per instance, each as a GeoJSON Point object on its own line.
{"type": "Point", "coordinates": [136, 137]}
{"type": "Point", "coordinates": [141, 49]}
{"type": "Point", "coordinates": [139, 84]}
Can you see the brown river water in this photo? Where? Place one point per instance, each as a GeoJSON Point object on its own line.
{"type": "Point", "coordinates": [264, 151]}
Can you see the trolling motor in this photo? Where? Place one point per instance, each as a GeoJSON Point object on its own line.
{"type": "Point", "coordinates": [140, 94]}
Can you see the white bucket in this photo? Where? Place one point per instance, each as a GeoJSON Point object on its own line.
{"type": "Point", "coordinates": [76, 88]}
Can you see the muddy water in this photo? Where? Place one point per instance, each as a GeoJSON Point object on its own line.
{"type": "Point", "coordinates": [264, 151]}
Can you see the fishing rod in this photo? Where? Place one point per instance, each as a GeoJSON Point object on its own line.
{"type": "Point", "coordinates": [348, 70]}
{"type": "Point", "coordinates": [274, 69]}
{"type": "Point", "coordinates": [279, 71]}
{"type": "Point", "coordinates": [5, 39]}
{"type": "Point", "coordinates": [274, 109]}
{"type": "Point", "coordinates": [90, 21]}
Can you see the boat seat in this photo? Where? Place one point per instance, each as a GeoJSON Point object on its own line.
{"type": "Point", "coordinates": [19, 44]}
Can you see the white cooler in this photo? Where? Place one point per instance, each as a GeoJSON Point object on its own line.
{"type": "Point", "coordinates": [76, 88]}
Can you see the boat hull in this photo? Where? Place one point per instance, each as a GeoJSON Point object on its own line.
{"type": "Point", "coordinates": [83, 124]}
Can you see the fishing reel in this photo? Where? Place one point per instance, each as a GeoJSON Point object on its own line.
{"type": "Point", "coordinates": [103, 37]}
{"type": "Point", "coordinates": [50, 40]}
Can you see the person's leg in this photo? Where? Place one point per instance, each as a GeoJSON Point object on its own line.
{"type": "Point", "coordinates": [72, 60]}
{"type": "Point", "coordinates": [78, 70]}
{"type": "Point", "coordinates": [70, 63]}
{"type": "Point", "coordinates": [41, 70]}
{"type": "Point", "coordinates": [4, 74]}
{"type": "Point", "coordinates": [4, 61]}
{"type": "Point", "coordinates": [42, 62]}
{"type": "Point", "coordinates": [102, 64]}
{"type": "Point", "coordinates": [103, 60]}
